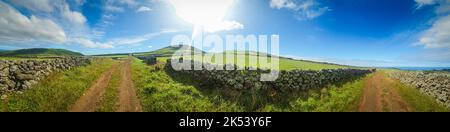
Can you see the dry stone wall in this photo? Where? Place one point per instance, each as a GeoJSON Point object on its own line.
{"type": "Point", "coordinates": [434, 84]}
{"type": "Point", "coordinates": [287, 81]}
{"type": "Point", "coordinates": [17, 75]}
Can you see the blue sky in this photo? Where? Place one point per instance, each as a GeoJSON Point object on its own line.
{"type": "Point", "coordinates": [353, 32]}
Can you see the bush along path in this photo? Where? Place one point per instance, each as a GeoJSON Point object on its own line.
{"type": "Point", "coordinates": [127, 100]}
{"type": "Point", "coordinates": [380, 95]}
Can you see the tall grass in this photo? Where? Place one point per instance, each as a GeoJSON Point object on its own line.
{"type": "Point", "coordinates": [160, 93]}
{"type": "Point", "coordinates": [58, 91]}
{"type": "Point", "coordinates": [335, 99]}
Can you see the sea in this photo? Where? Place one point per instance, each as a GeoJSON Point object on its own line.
{"type": "Point", "coordinates": [421, 68]}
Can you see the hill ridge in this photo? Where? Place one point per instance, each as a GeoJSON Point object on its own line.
{"type": "Point", "coordinates": [39, 52]}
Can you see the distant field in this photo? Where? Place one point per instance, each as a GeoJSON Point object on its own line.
{"type": "Point", "coordinates": [112, 55]}
{"type": "Point", "coordinates": [284, 63]}
{"type": "Point", "coordinates": [169, 51]}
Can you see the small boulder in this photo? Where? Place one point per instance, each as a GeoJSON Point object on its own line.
{"type": "Point", "coordinates": [4, 72]}
{"type": "Point", "coordinates": [26, 85]}
{"type": "Point", "coordinates": [3, 64]}
{"type": "Point", "coordinates": [3, 87]}
{"type": "Point", "coordinates": [4, 97]}
{"type": "Point", "coordinates": [24, 77]}
{"type": "Point", "coordinates": [13, 68]}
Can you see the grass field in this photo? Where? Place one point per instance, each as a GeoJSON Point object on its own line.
{"type": "Point", "coordinates": [169, 51]}
{"type": "Point", "coordinates": [58, 91]}
{"type": "Point", "coordinates": [284, 64]}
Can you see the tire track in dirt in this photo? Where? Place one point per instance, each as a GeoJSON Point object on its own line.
{"type": "Point", "coordinates": [90, 99]}
{"type": "Point", "coordinates": [371, 100]}
{"type": "Point", "coordinates": [128, 100]}
{"type": "Point", "coordinates": [379, 95]}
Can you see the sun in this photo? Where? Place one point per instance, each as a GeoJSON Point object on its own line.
{"type": "Point", "coordinates": [202, 12]}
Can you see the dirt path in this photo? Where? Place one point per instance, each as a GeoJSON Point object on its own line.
{"type": "Point", "coordinates": [379, 95]}
{"type": "Point", "coordinates": [88, 102]}
{"type": "Point", "coordinates": [128, 100]}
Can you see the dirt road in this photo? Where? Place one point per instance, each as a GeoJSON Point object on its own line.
{"type": "Point", "coordinates": [88, 102]}
{"type": "Point", "coordinates": [127, 100]}
{"type": "Point", "coordinates": [379, 95]}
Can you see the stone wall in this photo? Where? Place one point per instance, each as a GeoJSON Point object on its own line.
{"type": "Point", "coordinates": [287, 80]}
{"type": "Point", "coordinates": [434, 84]}
{"type": "Point", "coordinates": [17, 75]}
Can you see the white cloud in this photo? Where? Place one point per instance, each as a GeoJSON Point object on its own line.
{"type": "Point", "coordinates": [438, 36]}
{"type": "Point", "coordinates": [143, 9]}
{"type": "Point", "coordinates": [139, 39]}
{"type": "Point", "coordinates": [120, 5]}
{"type": "Point", "coordinates": [73, 16]}
{"type": "Point", "coordinates": [104, 22]}
{"type": "Point", "coordinates": [90, 44]}
{"type": "Point", "coordinates": [34, 5]}
{"type": "Point", "coordinates": [282, 4]}
{"type": "Point", "coordinates": [444, 7]}
{"type": "Point", "coordinates": [303, 9]}
{"type": "Point", "coordinates": [80, 2]}
{"type": "Point", "coordinates": [58, 24]}
{"type": "Point", "coordinates": [86, 42]}
{"type": "Point", "coordinates": [223, 26]}
{"type": "Point", "coordinates": [130, 3]}
{"type": "Point", "coordinates": [421, 3]}
{"type": "Point", "coordinates": [17, 27]}
{"type": "Point", "coordinates": [113, 8]}
{"type": "Point", "coordinates": [46, 8]}
{"type": "Point", "coordinates": [206, 14]}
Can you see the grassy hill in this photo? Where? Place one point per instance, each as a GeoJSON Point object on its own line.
{"type": "Point", "coordinates": [39, 52]}
{"type": "Point", "coordinates": [169, 51]}
{"type": "Point", "coordinates": [285, 63]}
